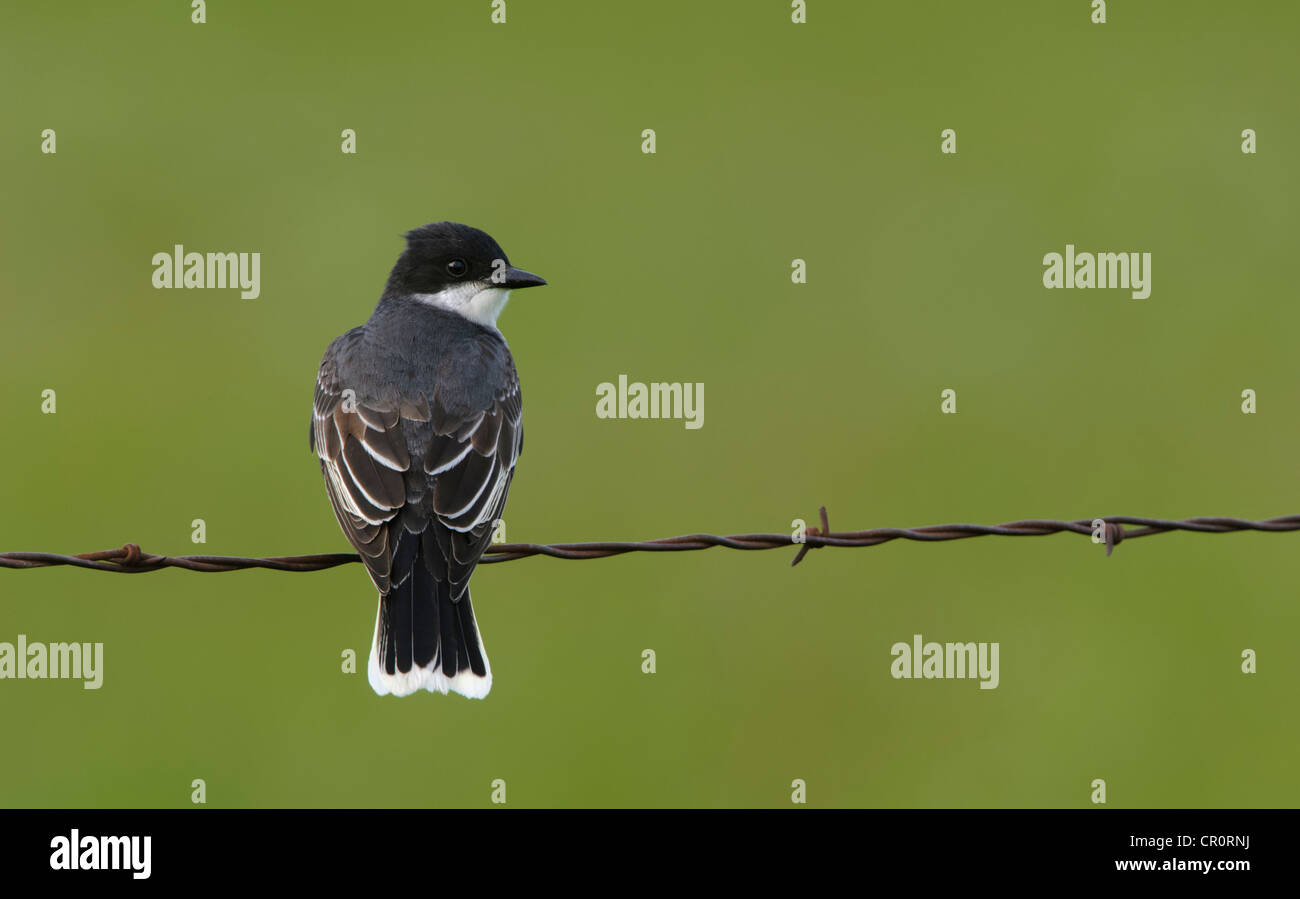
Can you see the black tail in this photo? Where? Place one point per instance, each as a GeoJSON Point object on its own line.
{"type": "Point", "coordinates": [423, 638]}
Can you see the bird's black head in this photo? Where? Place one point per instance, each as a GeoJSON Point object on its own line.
{"type": "Point", "coordinates": [449, 255]}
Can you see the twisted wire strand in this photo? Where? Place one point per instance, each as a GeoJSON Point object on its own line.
{"type": "Point", "coordinates": [130, 559]}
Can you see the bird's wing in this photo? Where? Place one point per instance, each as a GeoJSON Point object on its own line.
{"type": "Point", "coordinates": [451, 497]}
{"type": "Point", "coordinates": [470, 463]}
{"type": "Point", "coordinates": [363, 457]}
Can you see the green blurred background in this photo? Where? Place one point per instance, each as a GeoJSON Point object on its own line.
{"type": "Point", "coordinates": [775, 142]}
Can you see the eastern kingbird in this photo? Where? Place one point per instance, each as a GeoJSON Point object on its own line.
{"type": "Point", "coordinates": [417, 423]}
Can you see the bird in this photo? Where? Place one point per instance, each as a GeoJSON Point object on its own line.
{"type": "Point", "coordinates": [417, 423]}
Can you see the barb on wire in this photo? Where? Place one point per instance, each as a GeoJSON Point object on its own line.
{"type": "Point", "coordinates": [131, 559]}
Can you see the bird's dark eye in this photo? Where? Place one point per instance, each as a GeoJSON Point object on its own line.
{"type": "Point", "coordinates": [457, 268]}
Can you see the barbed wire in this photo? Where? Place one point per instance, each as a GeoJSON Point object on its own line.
{"type": "Point", "coordinates": [1111, 530]}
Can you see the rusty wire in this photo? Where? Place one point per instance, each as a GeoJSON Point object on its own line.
{"type": "Point", "coordinates": [131, 559]}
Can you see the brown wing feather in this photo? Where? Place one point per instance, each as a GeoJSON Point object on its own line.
{"type": "Point", "coordinates": [361, 450]}
{"type": "Point", "coordinates": [471, 462]}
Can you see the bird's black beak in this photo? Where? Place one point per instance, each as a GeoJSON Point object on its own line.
{"type": "Point", "coordinates": [517, 279]}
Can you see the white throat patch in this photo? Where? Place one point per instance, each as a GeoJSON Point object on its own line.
{"type": "Point", "coordinates": [471, 300]}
